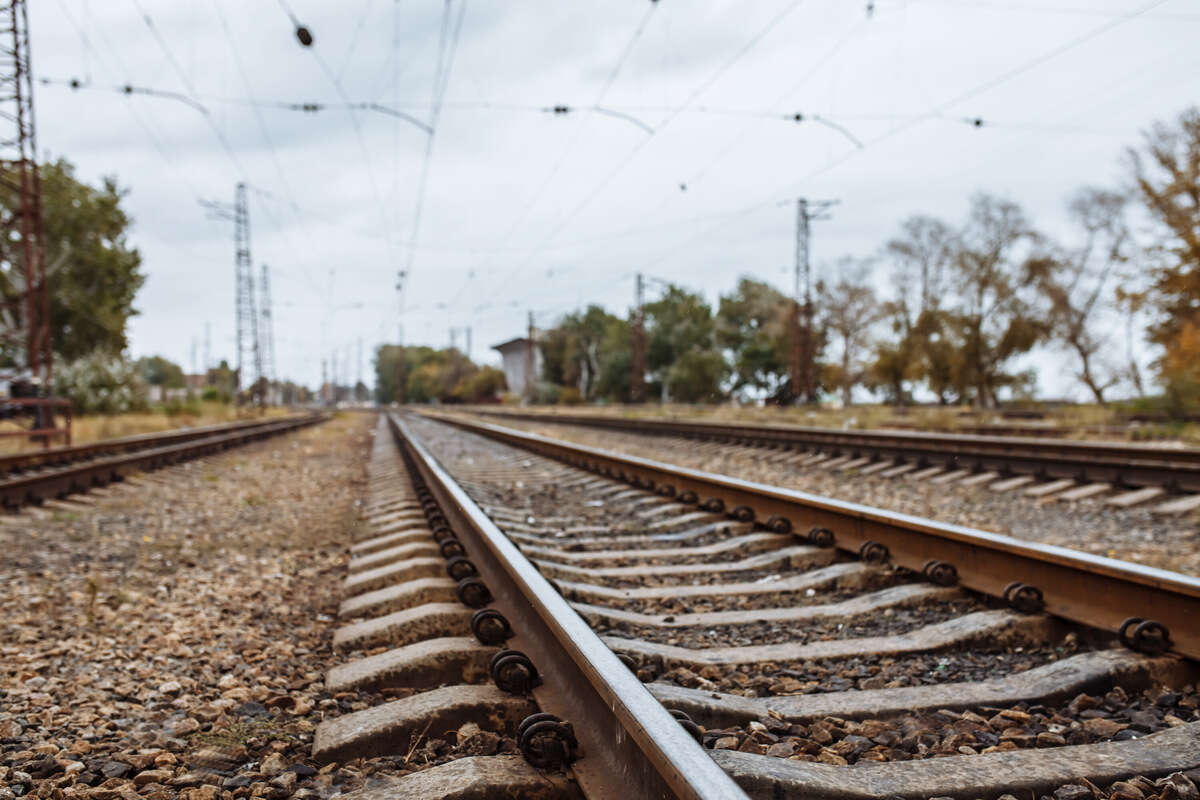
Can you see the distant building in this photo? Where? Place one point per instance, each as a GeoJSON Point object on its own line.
{"type": "Point", "coordinates": [515, 355]}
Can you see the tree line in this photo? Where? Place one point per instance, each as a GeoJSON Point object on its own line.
{"type": "Point", "coordinates": [944, 309]}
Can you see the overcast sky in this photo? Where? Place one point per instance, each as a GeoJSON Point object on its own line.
{"type": "Point", "coordinates": [528, 210]}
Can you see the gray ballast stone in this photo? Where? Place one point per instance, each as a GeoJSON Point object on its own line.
{"type": "Point", "coordinates": [1093, 673]}
{"type": "Point", "coordinates": [433, 662]}
{"type": "Point", "coordinates": [994, 627]}
{"type": "Point", "coordinates": [388, 729]}
{"type": "Point", "coordinates": [399, 597]}
{"type": "Point", "coordinates": [429, 621]}
{"type": "Point", "coordinates": [473, 778]}
{"type": "Point", "coordinates": [1018, 772]}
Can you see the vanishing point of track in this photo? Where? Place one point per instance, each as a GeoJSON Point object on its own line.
{"type": "Point", "coordinates": [661, 632]}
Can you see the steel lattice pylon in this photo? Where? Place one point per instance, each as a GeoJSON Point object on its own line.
{"type": "Point", "coordinates": [27, 309]}
{"type": "Point", "coordinates": [266, 336]}
{"type": "Point", "coordinates": [247, 318]}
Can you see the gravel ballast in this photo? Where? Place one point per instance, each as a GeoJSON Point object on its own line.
{"type": "Point", "coordinates": [1132, 534]}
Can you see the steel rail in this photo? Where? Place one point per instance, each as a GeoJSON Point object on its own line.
{"type": "Point", "coordinates": [18, 490]}
{"type": "Point", "coordinates": [1124, 464]}
{"type": "Point", "coordinates": [1093, 590]}
{"type": "Point", "coordinates": [76, 452]}
{"type": "Point", "coordinates": [631, 745]}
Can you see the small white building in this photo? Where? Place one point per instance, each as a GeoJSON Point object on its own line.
{"type": "Point", "coordinates": [515, 356]}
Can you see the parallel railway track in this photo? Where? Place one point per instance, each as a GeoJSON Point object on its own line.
{"type": "Point", "coordinates": [689, 635]}
{"type": "Point", "coordinates": [47, 474]}
{"type": "Point", "coordinates": [1122, 465]}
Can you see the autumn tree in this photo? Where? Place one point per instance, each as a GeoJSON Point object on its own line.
{"type": "Point", "coordinates": [993, 280]}
{"type": "Point", "coordinates": [1077, 283]}
{"type": "Point", "coordinates": [1167, 173]}
{"type": "Point", "coordinates": [849, 310]}
{"type": "Point", "coordinates": [915, 349]}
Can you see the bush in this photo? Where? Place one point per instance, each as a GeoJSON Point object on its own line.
{"type": "Point", "coordinates": [176, 408]}
{"type": "Point", "coordinates": [212, 394]}
{"type": "Point", "coordinates": [101, 384]}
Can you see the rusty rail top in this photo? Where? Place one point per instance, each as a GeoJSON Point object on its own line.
{"type": "Point", "coordinates": [1093, 590]}
{"type": "Point", "coordinates": [1123, 463]}
{"type": "Point", "coordinates": [631, 745]}
{"type": "Point", "coordinates": [76, 452]}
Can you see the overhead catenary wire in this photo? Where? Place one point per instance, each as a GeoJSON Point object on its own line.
{"type": "Point", "coordinates": [576, 133]}
{"type": "Point", "coordinates": [441, 81]}
{"type": "Point", "coordinates": [616, 170]}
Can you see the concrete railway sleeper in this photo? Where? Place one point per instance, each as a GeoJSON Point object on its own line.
{"type": "Point", "coordinates": [810, 650]}
{"type": "Point", "coordinates": [443, 611]}
{"type": "Point", "coordinates": [1121, 474]}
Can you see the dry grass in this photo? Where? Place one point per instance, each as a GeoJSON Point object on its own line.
{"type": "Point", "coordinates": [99, 427]}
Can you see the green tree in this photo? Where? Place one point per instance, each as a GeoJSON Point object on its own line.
{"type": "Point", "coordinates": [681, 348]}
{"type": "Point", "coordinates": [160, 371]}
{"type": "Point", "coordinates": [576, 350]}
{"type": "Point", "coordinates": [92, 273]}
{"type": "Point", "coordinates": [753, 324]}
{"type": "Point", "coordinates": [220, 380]}
{"type": "Point", "coordinates": [1167, 174]}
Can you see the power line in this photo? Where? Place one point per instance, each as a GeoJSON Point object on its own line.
{"type": "Point", "coordinates": [629, 157]}
{"type": "Point", "coordinates": [441, 81]}
{"type": "Point", "coordinates": [576, 133]}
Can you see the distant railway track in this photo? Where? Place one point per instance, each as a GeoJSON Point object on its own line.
{"type": "Point", "coordinates": [56, 472]}
{"type": "Point", "coordinates": [1092, 467]}
{"type": "Point", "coordinates": [663, 632]}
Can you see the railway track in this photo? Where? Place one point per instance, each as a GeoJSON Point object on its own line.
{"type": "Point", "coordinates": [580, 623]}
{"type": "Point", "coordinates": [1123, 474]}
{"type": "Point", "coordinates": [48, 474]}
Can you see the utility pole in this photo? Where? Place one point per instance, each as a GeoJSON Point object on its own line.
{"type": "Point", "coordinates": [468, 342]}
{"type": "Point", "coordinates": [401, 360]}
{"type": "Point", "coordinates": [637, 379]}
{"type": "Point", "coordinates": [207, 347]}
{"type": "Point", "coordinates": [530, 361]}
{"type": "Point", "coordinates": [453, 338]}
{"type": "Point", "coordinates": [266, 326]}
{"type": "Point", "coordinates": [18, 151]}
{"type": "Point", "coordinates": [803, 369]}
{"type": "Point", "coordinates": [358, 382]}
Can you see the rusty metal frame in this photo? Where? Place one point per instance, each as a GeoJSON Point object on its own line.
{"type": "Point", "coordinates": [1092, 590]}
{"type": "Point", "coordinates": [44, 434]}
{"type": "Point", "coordinates": [631, 745]}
